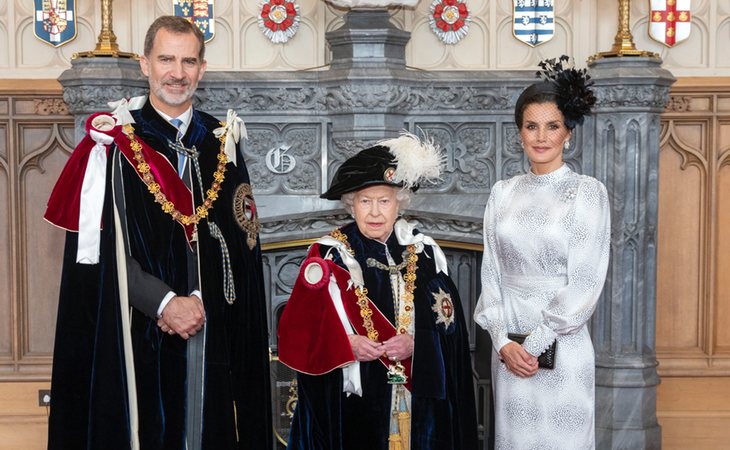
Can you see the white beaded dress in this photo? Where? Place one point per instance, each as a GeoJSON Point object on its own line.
{"type": "Point", "coordinates": [546, 250]}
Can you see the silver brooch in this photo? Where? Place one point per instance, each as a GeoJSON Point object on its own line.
{"type": "Point", "coordinates": [569, 193]}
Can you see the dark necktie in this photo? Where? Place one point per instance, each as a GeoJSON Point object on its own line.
{"type": "Point", "coordinates": [181, 157]}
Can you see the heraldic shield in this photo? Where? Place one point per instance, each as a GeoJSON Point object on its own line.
{"type": "Point", "coordinates": [200, 12]}
{"type": "Point", "coordinates": [533, 21]}
{"type": "Point", "coordinates": [55, 21]}
{"type": "Point", "coordinates": [669, 21]}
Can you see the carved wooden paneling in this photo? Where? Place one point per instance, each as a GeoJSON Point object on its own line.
{"type": "Point", "coordinates": [694, 413]}
{"type": "Point", "coordinates": [722, 317]}
{"type": "Point", "coordinates": [44, 149]}
{"type": "Point", "coordinates": [6, 311]}
{"type": "Point", "coordinates": [23, 424]}
{"type": "Point", "coordinates": [693, 296]}
{"type": "Point", "coordinates": [36, 137]}
{"type": "Point", "coordinates": [681, 301]}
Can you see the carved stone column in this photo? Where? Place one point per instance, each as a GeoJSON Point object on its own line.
{"type": "Point", "coordinates": [631, 95]}
{"type": "Point", "coordinates": [368, 56]}
{"type": "Point", "coordinates": [368, 39]}
{"type": "Point", "coordinates": [92, 82]}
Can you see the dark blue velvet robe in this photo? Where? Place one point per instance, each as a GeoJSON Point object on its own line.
{"type": "Point", "coordinates": [89, 404]}
{"type": "Point", "coordinates": [443, 413]}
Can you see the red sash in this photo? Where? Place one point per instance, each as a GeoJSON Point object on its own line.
{"type": "Point", "coordinates": [164, 174]}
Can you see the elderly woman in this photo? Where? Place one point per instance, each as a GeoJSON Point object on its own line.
{"type": "Point", "coordinates": [546, 248]}
{"type": "Point", "coordinates": [374, 325]}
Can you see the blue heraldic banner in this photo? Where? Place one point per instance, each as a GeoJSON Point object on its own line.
{"type": "Point", "coordinates": [55, 21]}
{"type": "Point", "coordinates": [533, 21]}
{"type": "Point", "coordinates": [200, 12]}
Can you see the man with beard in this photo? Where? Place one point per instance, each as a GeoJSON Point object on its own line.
{"type": "Point", "coordinates": [161, 338]}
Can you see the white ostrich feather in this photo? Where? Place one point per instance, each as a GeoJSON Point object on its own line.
{"type": "Point", "coordinates": [417, 160]}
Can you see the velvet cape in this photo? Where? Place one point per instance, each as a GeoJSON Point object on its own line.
{"type": "Point", "coordinates": [443, 413]}
{"type": "Point", "coordinates": [89, 402]}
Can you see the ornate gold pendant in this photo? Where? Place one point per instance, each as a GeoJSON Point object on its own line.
{"type": "Point", "coordinates": [397, 374]}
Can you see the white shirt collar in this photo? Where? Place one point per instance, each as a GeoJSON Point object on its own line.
{"type": "Point", "coordinates": [184, 117]}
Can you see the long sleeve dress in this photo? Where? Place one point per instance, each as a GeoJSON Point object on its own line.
{"type": "Point", "coordinates": [546, 251]}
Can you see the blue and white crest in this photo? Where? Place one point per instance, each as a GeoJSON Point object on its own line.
{"type": "Point", "coordinates": [533, 21]}
{"type": "Point", "coordinates": [55, 21]}
{"type": "Point", "coordinates": [200, 12]}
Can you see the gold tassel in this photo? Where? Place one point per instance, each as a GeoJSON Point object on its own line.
{"type": "Point", "coordinates": [404, 424]}
{"type": "Point", "coordinates": [394, 442]}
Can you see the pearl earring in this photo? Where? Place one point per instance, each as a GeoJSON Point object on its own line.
{"type": "Point", "coordinates": [566, 145]}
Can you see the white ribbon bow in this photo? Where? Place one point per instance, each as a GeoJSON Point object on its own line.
{"type": "Point", "coordinates": [122, 107]}
{"type": "Point", "coordinates": [234, 129]}
{"type": "Point", "coordinates": [405, 236]}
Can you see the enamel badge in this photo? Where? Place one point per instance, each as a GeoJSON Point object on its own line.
{"type": "Point", "coordinates": [199, 12]}
{"type": "Point", "coordinates": [55, 21]}
{"type": "Point", "coordinates": [246, 214]}
{"type": "Point", "coordinates": [279, 20]}
{"type": "Point", "coordinates": [449, 20]}
{"type": "Point", "coordinates": [669, 21]}
{"type": "Point", "coordinates": [533, 21]}
{"type": "Point", "coordinates": [443, 307]}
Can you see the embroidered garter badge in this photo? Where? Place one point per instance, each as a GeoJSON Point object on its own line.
{"type": "Point", "coordinates": [389, 174]}
{"type": "Point", "coordinates": [247, 217]}
{"type": "Point", "coordinates": [444, 308]}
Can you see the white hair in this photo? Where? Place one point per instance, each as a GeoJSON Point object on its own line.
{"type": "Point", "coordinates": [402, 195]}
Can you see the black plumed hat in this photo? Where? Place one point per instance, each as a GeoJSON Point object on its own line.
{"type": "Point", "coordinates": [404, 162]}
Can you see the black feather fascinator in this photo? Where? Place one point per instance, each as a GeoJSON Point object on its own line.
{"type": "Point", "coordinates": [570, 86]}
{"type": "Point", "coordinates": [575, 98]}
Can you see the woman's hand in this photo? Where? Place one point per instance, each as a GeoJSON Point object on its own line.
{"type": "Point", "coordinates": [517, 360]}
{"type": "Point", "coordinates": [365, 349]}
{"type": "Point", "coordinates": [399, 347]}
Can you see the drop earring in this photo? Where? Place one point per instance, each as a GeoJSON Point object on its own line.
{"type": "Point", "coordinates": [566, 146]}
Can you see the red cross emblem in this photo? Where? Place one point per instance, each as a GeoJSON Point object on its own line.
{"type": "Point", "coordinates": [669, 21]}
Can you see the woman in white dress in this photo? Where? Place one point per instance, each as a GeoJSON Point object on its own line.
{"type": "Point", "coordinates": [546, 250]}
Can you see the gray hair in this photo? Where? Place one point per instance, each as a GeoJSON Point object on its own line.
{"type": "Point", "coordinates": [402, 195]}
{"type": "Point", "coordinates": [174, 24]}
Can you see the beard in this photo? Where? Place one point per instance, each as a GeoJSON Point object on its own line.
{"type": "Point", "coordinates": [173, 99]}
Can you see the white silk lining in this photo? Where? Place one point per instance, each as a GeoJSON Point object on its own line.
{"type": "Point", "coordinates": [351, 382]}
{"type": "Point", "coordinates": [92, 200]}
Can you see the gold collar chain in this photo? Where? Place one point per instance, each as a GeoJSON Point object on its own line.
{"type": "Point", "coordinates": [404, 320]}
{"type": "Point", "coordinates": [153, 187]}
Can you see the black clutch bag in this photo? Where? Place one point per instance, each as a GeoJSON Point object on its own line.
{"type": "Point", "coordinates": [546, 360]}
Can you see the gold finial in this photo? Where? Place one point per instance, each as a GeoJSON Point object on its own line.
{"type": "Point", "coordinates": [107, 44]}
{"type": "Point", "coordinates": [623, 44]}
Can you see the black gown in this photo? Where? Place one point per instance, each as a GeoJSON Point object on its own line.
{"type": "Point", "coordinates": [443, 413]}
{"type": "Point", "coordinates": [89, 403]}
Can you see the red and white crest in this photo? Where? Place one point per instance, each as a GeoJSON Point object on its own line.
{"type": "Point", "coordinates": [669, 21]}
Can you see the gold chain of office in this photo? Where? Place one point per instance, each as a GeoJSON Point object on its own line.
{"type": "Point", "coordinates": [154, 188]}
{"type": "Point", "coordinates": [403, 320]}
